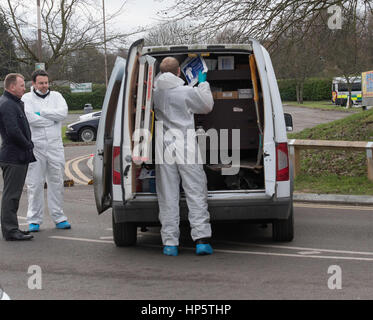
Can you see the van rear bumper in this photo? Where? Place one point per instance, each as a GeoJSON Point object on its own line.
{"type": "Point", "coordinates": [146, 212]}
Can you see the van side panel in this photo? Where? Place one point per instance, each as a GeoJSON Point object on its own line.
{"type": "Point", "coordinates": [282, 187]}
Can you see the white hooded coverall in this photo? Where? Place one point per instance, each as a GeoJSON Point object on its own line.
{"type": "Point", "coordinates": [49, 153]}
{"type": "Point", "coordinates": [175, 106]}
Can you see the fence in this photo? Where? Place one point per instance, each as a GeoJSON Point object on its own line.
{"type": "Point", "coordinates": [296, 145]}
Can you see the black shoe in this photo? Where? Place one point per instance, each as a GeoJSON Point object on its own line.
{"type": "Point", "coordinates": [18, 236]}
{"type": "Point", "coordinates": [25, 232]}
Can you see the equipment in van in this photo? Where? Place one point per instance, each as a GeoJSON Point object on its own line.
{"type": "Point", "coordinates": [226, 63]}
{"type": "Point", "coordinates": [144, 107]}
{"type": "Point", "coordinates": [191, 68]}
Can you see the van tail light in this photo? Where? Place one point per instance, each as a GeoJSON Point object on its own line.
{"type": "Point", "coordinates": [282, 162]}
{"type": "Point", "coordinates": [116, 166]}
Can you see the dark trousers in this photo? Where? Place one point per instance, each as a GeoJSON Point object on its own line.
{"type": "Point", "coordinates": [14, 176]}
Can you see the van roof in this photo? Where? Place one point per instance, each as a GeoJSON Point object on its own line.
{"type": "Point", "coordinates": [199, 48]}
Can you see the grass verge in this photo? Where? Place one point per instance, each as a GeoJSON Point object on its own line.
{"type": "Point", "coordinates": [323, 105]}
{"type": "Point", "coordinates": [336, 171]}
{"type": "Point", "coordinates": [333, 184]}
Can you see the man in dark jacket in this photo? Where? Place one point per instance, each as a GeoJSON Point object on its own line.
{"type": "Point", "coordinates": [15, 154]}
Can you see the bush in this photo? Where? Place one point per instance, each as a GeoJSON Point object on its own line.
{"type": "Point", "coordinates": [314, 89]}
{"type": "Point", "coordinates": [287, 89]}
{"type": "Point", "coordinates": [76, 101]}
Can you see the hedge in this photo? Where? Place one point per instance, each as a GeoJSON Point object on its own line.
{"type": "Point", "coordinates": [76, 101]}
{"type": "Point", "coordinates": [314, 89]}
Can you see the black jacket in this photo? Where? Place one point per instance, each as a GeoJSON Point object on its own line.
{"type": "Point", "coordinates": [16, 145]}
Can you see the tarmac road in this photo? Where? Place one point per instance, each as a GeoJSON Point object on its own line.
{"type": "Point", "coordinates": [307, 118]}
{"type": "Point", "coordinates": [83, 263]}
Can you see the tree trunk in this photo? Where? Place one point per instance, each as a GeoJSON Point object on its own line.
{"type": "Point", "coordinates": [299, 90]}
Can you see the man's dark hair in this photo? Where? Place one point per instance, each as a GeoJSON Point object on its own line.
{"type": "Point", "coordinates": [37, 73]}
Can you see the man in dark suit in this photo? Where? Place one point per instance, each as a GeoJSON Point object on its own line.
{"type": "Point", "coordinates": [15, 154]}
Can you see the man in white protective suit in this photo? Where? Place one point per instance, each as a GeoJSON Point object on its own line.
{"type": "Point", "coordinates": [175, 106]}
{"type": "Point", "coordinates": [45, 110]}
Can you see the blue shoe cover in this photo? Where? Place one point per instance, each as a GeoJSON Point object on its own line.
{"type": "Point", "coordinates": [203, 249]}
{"type": "Point", "coordinates": [33, 227]}
{"type": "Point", "coordinates": [170, 250]}
{"type": "Point", "coordinates": [63, 225]}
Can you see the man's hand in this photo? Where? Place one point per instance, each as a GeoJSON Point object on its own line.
{"type": "Point", "coordinates": [202, 77]}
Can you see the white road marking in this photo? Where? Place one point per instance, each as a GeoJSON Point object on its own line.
{"type": "Point", "coordinates": [234, 251]}
{"type": "Point", "coordinates": [276, 254]}
{"type": "Point", "coordinates": [297, 248]}
{"type": "Point", "coordinates": [80, 239]}
{"type": "Point", "coordinates": [309, 252]}
{"type": "Point", "coordinates": [90, 163]}
{"type": "Point", "coordinates": [107, 238]}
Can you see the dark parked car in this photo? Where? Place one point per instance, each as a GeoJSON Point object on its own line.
{"type": "Point", "coordinates": [85, 129]}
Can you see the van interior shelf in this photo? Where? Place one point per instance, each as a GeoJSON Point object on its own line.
{"type": "Point", "coordinates": [243, 164]}
{"type": "Point", "coordinates": [217, 75]}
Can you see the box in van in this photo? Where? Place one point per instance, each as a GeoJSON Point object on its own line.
{"type": "Point", "coordinates": [261, 188]}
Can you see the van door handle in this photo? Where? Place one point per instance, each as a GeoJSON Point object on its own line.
{"type": "Point", "coordinates": [126, 170]}
{"type": "Point", "coordinates": [265, 154]}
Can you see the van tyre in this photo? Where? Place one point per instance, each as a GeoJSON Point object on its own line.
{"type": "Point", "coordinates": [124, 233]}
{"type": "Point", "coordinates": [283, 230]}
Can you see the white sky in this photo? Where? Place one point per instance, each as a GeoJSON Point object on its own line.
{"type": "Point", "coordinates": [136, 13]}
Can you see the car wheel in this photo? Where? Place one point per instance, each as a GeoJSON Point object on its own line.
{"type": "Point", "coordinates": [87, 134]}
{"type": "Point", "coordinates": [124, 233]}
{"type": "Point", "coordinates": [283, 230]}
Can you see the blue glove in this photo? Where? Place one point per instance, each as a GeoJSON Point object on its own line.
{"type": "Point", "coordinates": [202, 76]}
{"type": "Point", "coordinates": [38, 113]}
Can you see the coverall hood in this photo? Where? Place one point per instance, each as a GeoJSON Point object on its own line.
{"type": "Point", "coordinates": [168, 80]}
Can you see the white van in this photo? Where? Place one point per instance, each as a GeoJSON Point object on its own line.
{"type": "Point", "coordinates": [261, 191]}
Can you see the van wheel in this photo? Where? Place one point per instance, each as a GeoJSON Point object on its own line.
{"type": "Point", "coordinates": [124, 233]}
{"type": "Point", "coordinates": [283, 230]}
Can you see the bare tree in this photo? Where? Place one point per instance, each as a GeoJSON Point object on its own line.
{"type": "Point", "coordinates": [8, 62]}
{"type": "Point", "coordinates": [170, 33]}
{"type": "Point", "coordinates": [346, 49]}
{"type": "Point", "coordinates": [67, 26]}
{"type": "Point", "coordinates": [260, 19]}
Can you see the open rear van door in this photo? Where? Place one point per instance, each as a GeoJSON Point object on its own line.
{"type": "Point", "coordinates": [269, 147]}
{"type": "Point", "coordinates": [127, 168]}
{"type": "Point", "coordinates": [102, 164]}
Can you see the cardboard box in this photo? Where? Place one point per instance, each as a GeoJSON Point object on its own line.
{"type": "Point", "coordinates": [226, 95]}
{"type": "Point", "coordinates": [226, 63]}
{"type": "Point", "coordinates": [243, 66]}
{"type": "Point", "coordinates": [245, 93]}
